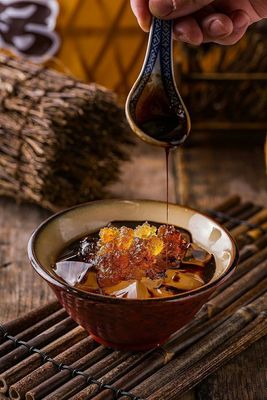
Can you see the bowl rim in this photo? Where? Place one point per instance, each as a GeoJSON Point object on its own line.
{"type": "Point", "coordinates": [109, 299]}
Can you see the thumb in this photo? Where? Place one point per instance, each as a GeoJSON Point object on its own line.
{"type": "Point", "coordinates": [170, 9]}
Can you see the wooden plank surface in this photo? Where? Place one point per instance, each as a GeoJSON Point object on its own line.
{"type": "Point", "coordinates": [203, 177]}
{"type": "Point", "coordinates": [20, 288]}
{"type": "Point", "coordinates": [144, 177]}
{"type": "Point", "coordinates": [243, 378]}
{"type": "Point", "coordinates": [207, 174]}
{"type": "Point", "coordinates": [199, 177]}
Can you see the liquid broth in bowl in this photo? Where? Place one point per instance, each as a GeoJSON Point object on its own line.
{"type": "Point", "coordinates": [128, 260]}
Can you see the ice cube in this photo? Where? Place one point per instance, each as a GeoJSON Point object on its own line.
{"type": "Point", "coordinates": [71, 272]}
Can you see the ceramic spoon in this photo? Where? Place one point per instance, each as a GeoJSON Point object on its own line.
{"type": "Point", "coordinates": [154, 107]}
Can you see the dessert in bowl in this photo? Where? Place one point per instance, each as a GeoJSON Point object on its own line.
{"type": "Point", "coordinates": [160, 300]}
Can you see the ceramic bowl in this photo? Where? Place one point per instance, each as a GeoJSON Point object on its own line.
{"type": "Point", "coordinates": [129, 324]}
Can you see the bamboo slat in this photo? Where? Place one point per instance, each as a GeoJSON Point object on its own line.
{"type": "Point", "coordinates": [233, 319]}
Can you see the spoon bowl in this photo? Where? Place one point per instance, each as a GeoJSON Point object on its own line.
{"type": "Point", "coordinates": [154, 107]}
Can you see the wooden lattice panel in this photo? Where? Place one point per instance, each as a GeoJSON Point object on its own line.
{"type": "Point", "coordinates": [101, 42]}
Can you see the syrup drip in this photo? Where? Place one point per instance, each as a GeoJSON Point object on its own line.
{"type": "Point", "coordinates": [167, 154]}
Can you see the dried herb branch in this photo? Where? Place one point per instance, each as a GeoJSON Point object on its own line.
{"type": "Point", "coordinates": [61, 141]}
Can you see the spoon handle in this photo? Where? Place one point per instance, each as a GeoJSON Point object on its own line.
{"type": "Point", "coordinates": [159, 46]}
{"type": "Point", "coordinates": [166, 63]}
{"type": "Point", "coordinates": [166, 48]}
{"type": "Point", "coordinates": [158, 58]}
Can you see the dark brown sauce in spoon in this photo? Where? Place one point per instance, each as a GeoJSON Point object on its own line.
{"type": "Point", "coordinates": [158, 118]}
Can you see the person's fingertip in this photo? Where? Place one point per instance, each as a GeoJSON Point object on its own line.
{"type": "Point", "coordinates": [188, 30]}
{"type": "Point", "coordinates": [215, 26]}
{"type": "Point", "coordinates": [179, 35]}
{"type": "Point", "coordinates": [142, 14]}
{"type": "Point", "coordinates": [240, 19]}
{"type": "Point", "coordinates": [241, 22]}
{"type": "Point", "coordinates": [145, 24]}
{"type": "Point", "coordinates": [182, 36]}
{"type": "Point", "coordinates": [135, 8]}
{"type": "Point", "coordinates": [148, 23]}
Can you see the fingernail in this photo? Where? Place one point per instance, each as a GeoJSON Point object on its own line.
{"type": "Point", "coordinates": [161, 8]}
{"type": "Point", "coordinates": [217, 28]}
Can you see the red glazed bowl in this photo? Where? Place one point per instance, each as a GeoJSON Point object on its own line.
{"type": "Point", "coordinates": [127, 323]}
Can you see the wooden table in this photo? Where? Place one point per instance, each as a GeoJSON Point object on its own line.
{"type": "Point", "coordinates": [201, 176]}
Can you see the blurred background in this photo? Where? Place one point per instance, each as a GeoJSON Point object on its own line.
{"type": "Point", "coordinates": [64, 140]}
{"type": "Point", "coordinates": [100, 41]}
{"type": "Point", "coordinates": [224, 88]}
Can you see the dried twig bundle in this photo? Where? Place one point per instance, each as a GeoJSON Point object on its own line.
{"type": "Point", "coordinates": [61, 141]}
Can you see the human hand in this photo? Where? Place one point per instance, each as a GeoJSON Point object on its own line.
{"type": "Point", "coordinates": [199, 21]}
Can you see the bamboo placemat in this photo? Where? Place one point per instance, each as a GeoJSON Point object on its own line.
{"type": "Point", "coordinates": [45, 355]}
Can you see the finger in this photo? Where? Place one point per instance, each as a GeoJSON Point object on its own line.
{"type": "Point", "coordinates": [171, 9]}
{"type": "Point", "coordinates": [216, 27]}
{"type": "Point", "coordinates": [188, 30]}
{"type": "Point", "coordinates": [228, 7]}
{"type": "Point", "coordinates": [141, 11]}
{"type": "Point", "coordinates": [240, 22]}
